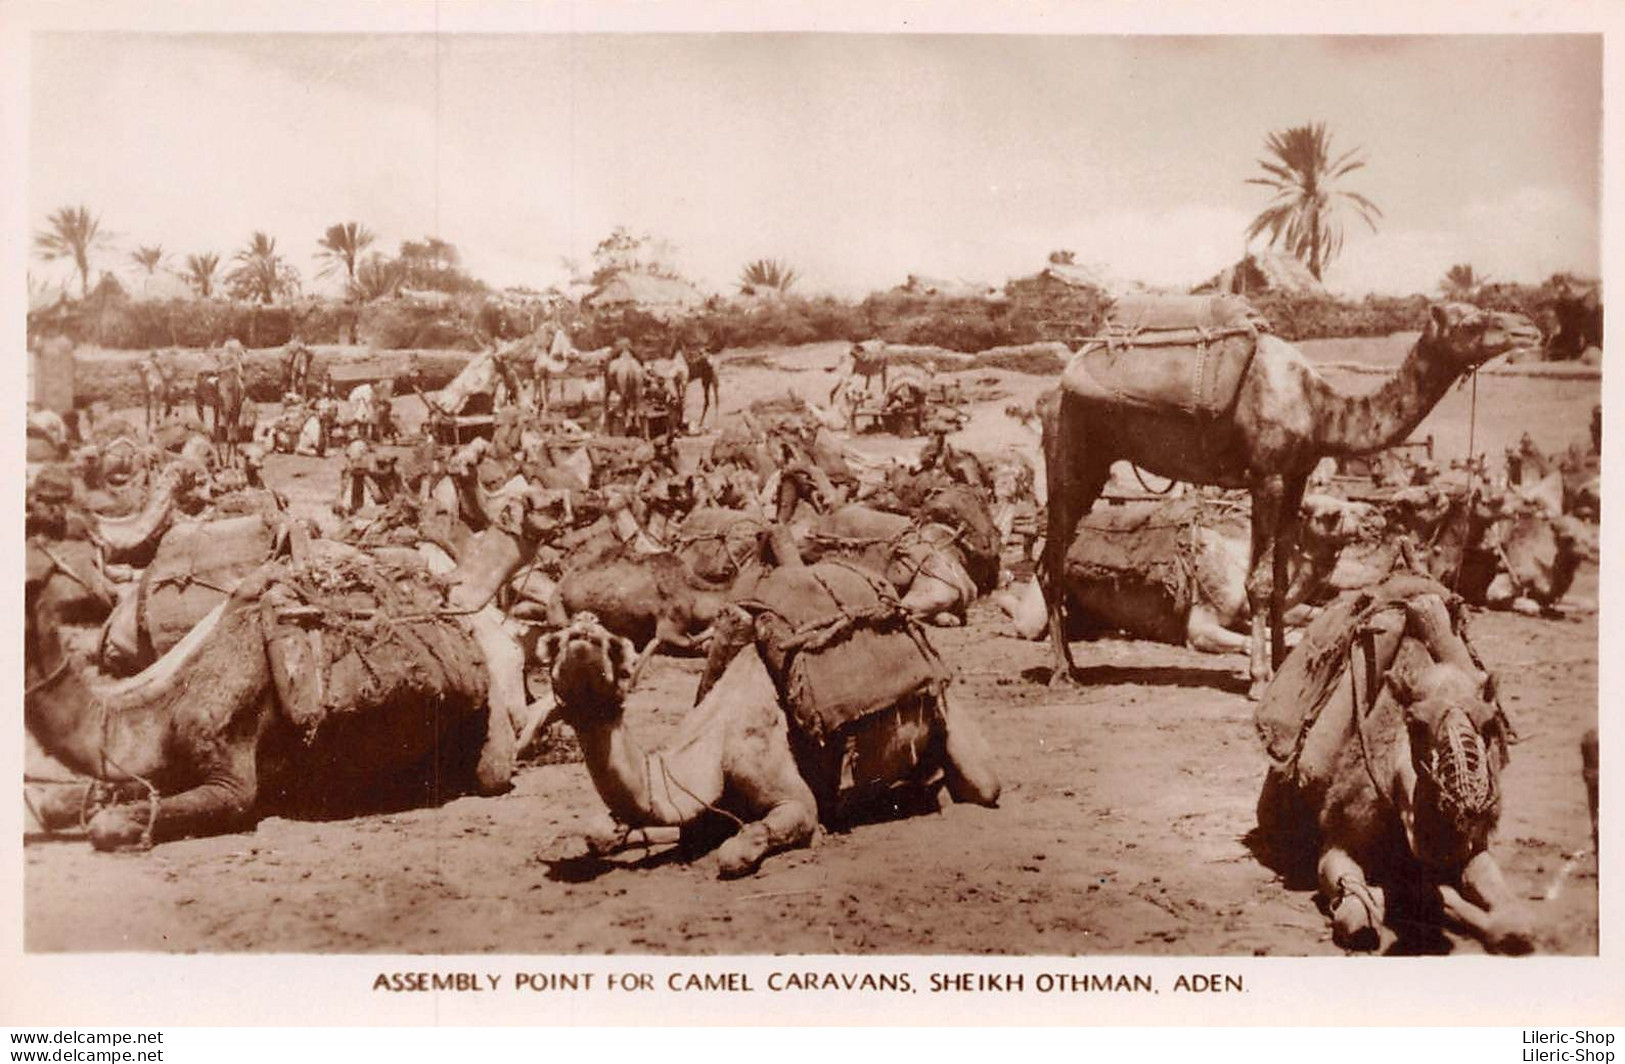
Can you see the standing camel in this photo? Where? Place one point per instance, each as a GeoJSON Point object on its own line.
{"type": "Point", "coordinates": [156, 390]}
{"type": "Point", "coordinates": [222, 392]}
{"type": "Point", "coordinates": [296, 370]}
{"type": "Point", "coordinates": [1239, 410]}
{"type": "Point", "coordinates": [623, 391]}
{"type": "Point", "coordinates": [702, 369]}
{"type": "Point", "coordinates": [552, 360]}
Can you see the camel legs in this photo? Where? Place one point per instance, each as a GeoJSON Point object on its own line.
{"type": "Point", "coordinates": [1488, 909]}
{"type": "Point", "coordinates": [604, 835]}
{"type": "Point", "coordinates": [788, 825]}
{"type": "Point", "coordinates": [1075, 482]}
{"type": "Point", "coordinates": [666, 635]}
{"type": "Point", "coordinates": [1205, 633]}
{"type": "Point", "coordinates": [223, 802]}
{"type": "Point", "coordinates": [1276, 502]}
{"type": "Point", "coordinates": [1358, 909]}
{"type": "Point", "coordinates": [505, 663]}
{"type": "Point", "coordinates": [967, 760]}
{"type": "Point", "coordinates": [932, 592]}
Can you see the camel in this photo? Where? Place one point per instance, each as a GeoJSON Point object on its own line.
{"type": "Point", "coordinates": [665, 387]}
{"type": "Point", "coordinates": [862, 690]}
{"type": "Point", "coordinates": [285, 697]}
{"type": "Point", "coordinates": [702, 370]}
{"type": "Point", "coordinates": [869, 359]}
{"type": "Point", "coordinates": [623, 393]}
{"type": "Point", "coordinates": [715, 543]}
{"type": "Point", "coordinates": [133, 539]}
{"type": "Point", "coordinates": [1176, 572]}
{"type": "Point", "coordinates": [196, 566]}
{"type": "Point", "coordinates": [925, 559]}
{"type": "Point", "coordinates": [1386, 745]}
{"type": "Point", "coordinates": [296, 366]}
{"type": "Point", "coordinates": [1189, 389]}
{"type": "Point", "coordinates": [552, 360]}
{"type": "Point", "coordinates": [221, 391]}
{"type": "Point", "coordinates": [1502, 549]}
{"type": "Point", "coordinates": [651, 598]}
{"type": "Point", "coordinates": [157, 390]}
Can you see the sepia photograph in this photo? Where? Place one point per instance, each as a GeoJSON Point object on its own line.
{"type": "Point", "coordinates": [857, 494]}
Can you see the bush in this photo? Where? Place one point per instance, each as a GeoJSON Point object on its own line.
{"type": "Point", "coordinates": [1301, 316]}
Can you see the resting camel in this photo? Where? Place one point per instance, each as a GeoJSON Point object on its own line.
{"type": "Point", "coordinates": [134, 538]}
{"type": "Point", "coordinates": [1386, 746]}
{"type": "Point", "coordinates": [872, 695]}
{"type": "Point", "coordinates": [157, 390]}
{"type": "Point", "coordinates": [1177, 572]}
{"type": "Point", "coordinates": [1248, 411]}
{"type": "Point", "coordinates": [925, 559]}
{"type": "Point", "coordinates": [249, 714]}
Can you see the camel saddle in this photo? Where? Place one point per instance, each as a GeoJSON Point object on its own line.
{"type": "Point", "coordinates": [349, 635]}
{"type": "Point", "coordinates": [1160, 352]}
{"type": "Point", "coordinates": [1362, 634]}
{"type": "Point", "coordinates": [839, 646]}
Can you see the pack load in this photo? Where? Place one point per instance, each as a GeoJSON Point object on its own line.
{"type": "Point", "coordinates": [1189, 352]}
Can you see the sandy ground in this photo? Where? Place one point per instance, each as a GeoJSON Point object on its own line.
{"type": "Point", "coordinates": [1124, 826]}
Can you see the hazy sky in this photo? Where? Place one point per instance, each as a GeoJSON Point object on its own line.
{"type": "Point", "coordinates": [857, 159]}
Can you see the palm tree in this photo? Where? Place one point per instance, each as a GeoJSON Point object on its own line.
{"type": "Point", "coordinates": [1306, 212]}
{"type": "Point", "coordinates": [377, 278]}
{"type": "Point", "coordinates": [769, 274]}
{"type": "Point", "coordinates": [260, 273]}
{"type": "Point", "coordinates": [200, 271]}
{"type": "Point", "coordinates": [74, 233]}
{"type": "Point", "coordinates": [149, 258]}
{"type": "Point", "coordinates": [1462, 282]}
{"type": "Point", "coordinates": [342, 246]}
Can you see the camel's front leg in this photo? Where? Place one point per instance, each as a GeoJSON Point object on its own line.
{"type": "Point", "coordinates": [1204, 632]}
{"type": "Point", "coordinates": [1357, 908]}
{"type": "Point", "coordinates": [1268, 498]}
{"type": "Point", "coordinates": [605, 836]}
{"type": "Point", "coordinates": [787, 826]}
{"type": "Point", "coordinates": [1074, 482]}
{"type": "Point", "coordinates": [505, 701]}
{"type": "Point", "coordinates": [934, 593]}
{"type": "Point", "coordinates": [1488, 909]}
{"type": "Point", "coordinates": [224, 802]}
{"type": "Point", "coordinates": [968, 760]}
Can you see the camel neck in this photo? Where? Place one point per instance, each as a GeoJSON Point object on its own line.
{"type": "Point", "coordinates": [619, 770]}
{"type": "Point", "coordinates": [1359, 424]}
{"type": "Point", "coordinates": [60, 711]}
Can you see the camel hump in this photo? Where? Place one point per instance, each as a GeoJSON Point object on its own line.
{"type": "Point", "coordinates": [1158, 353]}
{"type": "Point", "coordinates": [839, 646]}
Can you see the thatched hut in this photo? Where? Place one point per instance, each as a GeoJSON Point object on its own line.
{"type": "Point", "coordinates": [657, 296]}
{"type": "Point", "coordinates": [1263, 271]}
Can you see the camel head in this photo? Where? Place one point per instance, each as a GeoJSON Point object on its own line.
{"type": "Point", "coordinates": [1464, 337]}
{"type": "Point", "coordinates": [1539, 546]}
{"type": "Point", "coordinates": [590, 668]}
{"type": "Point", "coordinates": [1457, 750]}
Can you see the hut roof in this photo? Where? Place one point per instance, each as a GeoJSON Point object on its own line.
{"type": "Point", "coordinates": [646, 292]}
{"type": "Point", "coordinates": [1263, 271]}
{"type": "Point", "coordinates": [952, 288]}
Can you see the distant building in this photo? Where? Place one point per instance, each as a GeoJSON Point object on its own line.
{"type": "Point", "coordinates": [948, 288]}
{"type": "Point", "coordinates": [659, 296]}
{"type": "Point", "coordinates": [1264, 271]}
